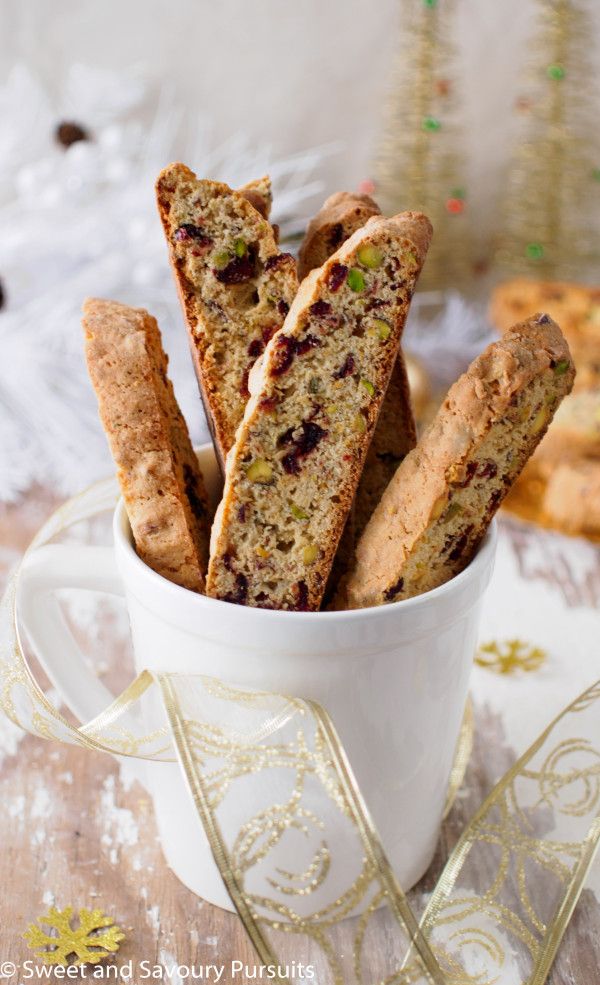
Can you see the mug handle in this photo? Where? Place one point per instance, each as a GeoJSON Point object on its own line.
{"type": "Point", "coordinates": [44, 571]}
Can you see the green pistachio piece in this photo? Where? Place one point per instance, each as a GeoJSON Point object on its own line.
{"type": "Point", "coordinates": [356, 280]}
{"type": "Point", "coordinates": [309, 553]}
{"type": "Point", "coordinates": [368, 387]}
{"type": "Point", "coordinates": [383, 329]}
{"type": "Point", "coordinates": [359, 424]}
{"type": "Point", "coordinates": [561, 367]}
{"type": "Point", "coordinates": [220, 260]}
{"type": "Point", "coordinates": [369, 256]}
{"type": "Point", "coordinates": [453, 510]}
{"type": "Point", "coordinates": [239, 248]}
{"type": "Point", "coordinates": [298, 512]}
{"type": "Point", "coordinates": [260, 471]}
{"type": "Point", "coordinates": [314, 384]}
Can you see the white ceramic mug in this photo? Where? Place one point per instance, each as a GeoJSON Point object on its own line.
{"type": "Point", "coordinates": [394, 679]}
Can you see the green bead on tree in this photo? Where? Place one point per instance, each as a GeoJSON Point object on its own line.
{"type": "Point", "coordinates": [534, 251]}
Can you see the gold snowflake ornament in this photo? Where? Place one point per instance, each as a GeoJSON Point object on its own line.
{"type": "Point", "coordinates": [509, 656]}
{"type": "Point", "coordinates": [94, 937]}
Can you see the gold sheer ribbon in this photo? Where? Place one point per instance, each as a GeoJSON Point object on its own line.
{"type": "Point", "coordinates": [269, 778]}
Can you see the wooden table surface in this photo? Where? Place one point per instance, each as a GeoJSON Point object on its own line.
{"type": "Point", "coordinates": [77, 830]}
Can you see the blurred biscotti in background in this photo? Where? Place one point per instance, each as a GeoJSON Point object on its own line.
{"type": "Point", "coordinates": [574, 436]}
{"type": "Point", "coordinates": [572, 497]}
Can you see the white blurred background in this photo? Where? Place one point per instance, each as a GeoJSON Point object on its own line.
{"type": "Point", "coordinates": [234, 88]}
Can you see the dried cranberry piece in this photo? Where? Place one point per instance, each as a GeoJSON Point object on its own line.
{"type": "Point", "coordinates": [239, 595]}
{"type": "Point", "coordinates": [268, 331]}
{"type": "Point", "coordinates": [68, 133]}
{"type": "Point", "coordinates": [283, 308]}
{"type": "Point", "coordinates": [460, 543]}
{"type": "Point", "coordinates": [278, 260]}
{"type": "Point", "coordinates": [489, 470]}
{"type": "Point", "coordinates": [286, 438]}
{"type": "Point", "coordinates": [238, 271]}
{"type": "Point", "coordinates": [543, 319]}
{"type": "Point", "coordinates": [244, 391]}
{"type": "Point", "coordinates": [311, 435]}
{"type": "Point", "coordinates": [268, 404]}
{"type": "Point", "coordinates": [242, 516]}
{"type": "Point", "coordinates": [255, 348]}
{"type": "Point", "coordinates": [336, 235]}
{"type": "Point", "coordinates": [301, 593]}
{"type": "Point", "coordinates": [391, 592]}
{"type": "Point", "coordinates": [189, 231]}
{"type": "Point", "coordinates": [288, 347]}
{"type": "Point", "coordinates": [308, 342]}
{"type": "Point", "coordinates": [320, 309]}
{"type": "Point", "coordinates": [227, 561]}
{"type": "Point", "coordinates": [303, 444]}
{"type": "Point", "coordinates": [337, 276]}
{"type": "Point", "coordinates": [290, 463]}
{"type": "Point", "coordinates": [346, 369]}
{"type": "Point", "coordinates": [285, 350]}
{"type": "Point", "coordinates": [375, 303]}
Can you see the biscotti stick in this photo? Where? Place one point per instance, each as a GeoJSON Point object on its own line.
{"type": "Point", "coordinates": [395, 434]}
{"type": "Point", "coordinates": [157, 469]}
{"type": "Point", "coordinates": [234, 285]}
{"type": "Point", "coordinates": [293, 471]}
{"type": "Point", "coordinates": [439, 504]}
{"type": "Point", "coordinates": [340, 216]}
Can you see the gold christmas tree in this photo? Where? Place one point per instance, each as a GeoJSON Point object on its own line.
{"type": "Point", "coordinates": [418, 165]}
{"type": "Point", "coordinates": [551, 209]}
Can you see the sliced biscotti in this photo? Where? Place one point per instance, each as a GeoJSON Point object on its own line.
{"type": "Point", "coordinates": [395, 434]}
{"type": "Point", "coordinates": [293, 471]}
{"type": "Point", "coordinates": [234, 284]}
{"type": "Point", "coordinates": [340, 215]}
{"type": "Point", "coordinates": [439, 504]}
{"type": "Point", "coordinates": [157, 469]}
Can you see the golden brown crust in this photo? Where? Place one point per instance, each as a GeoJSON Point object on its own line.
{"type": "Point", "coordinates": [232, 306]}
{"type": "Point", "coordinates": [439, 504]}
{"type": "Point", "coordinates": [292, 474]}
{"type": "Point", "coordinates": [157, 469]}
